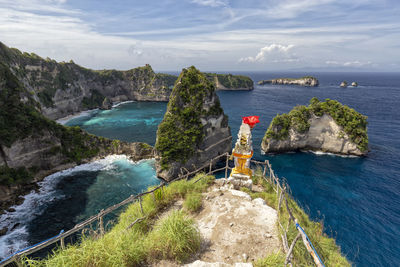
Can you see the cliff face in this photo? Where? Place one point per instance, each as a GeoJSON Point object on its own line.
{"type": "Point", "coordinates": [194, 129]}
{"type": "Point", "coordinates": [322, 126]}
{"type": "Point", "coordinates": [304, 81]}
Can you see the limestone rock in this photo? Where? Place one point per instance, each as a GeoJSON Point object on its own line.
{"type": "Point", "coordinates": [194, 129]}
{"type": "Point", "coordinates": [343, 84]}
{"type": "Point", "coordinates": [304, 81]}
{"type": "Point", "coordinates": [302, 129]}
{"type": "Point", "coordinates": [354, 84]}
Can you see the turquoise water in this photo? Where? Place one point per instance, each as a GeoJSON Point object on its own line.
{"type": "Point", "coordinates": [134, 121]}
{"type": "Point", "coordinates": [69, 197]}
{"type": "Point", "coordinates": [357, 198]}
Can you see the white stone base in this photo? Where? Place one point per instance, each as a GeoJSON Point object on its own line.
{"type": "Point", "coordinates": [240, 182]}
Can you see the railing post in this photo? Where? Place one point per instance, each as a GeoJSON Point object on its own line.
{"type": "Point", "coordinates": [226, 166]}
{"type": "Point", "coordinates": [101, 225]}
{"type": "Point", "coordinates": [18, 261]}
{"type": "Point", "coordinates": [140, 203]}
{"type": "Point", "coordinates": [62, 243]}
{"type": "Point", "coordinates": [265, 168]}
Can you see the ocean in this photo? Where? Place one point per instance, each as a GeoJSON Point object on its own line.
{"type": "Point", "coordinates": [358, 199]}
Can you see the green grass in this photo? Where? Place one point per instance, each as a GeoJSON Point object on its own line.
{"type": "Point", "coordinates": [193, 202]}
{"type": "Point", "coordinates": [174, 237]}
{"type": "Point", "coordinates": [272, 260]}
{"type": "Point", "coordinates": [326, 247]}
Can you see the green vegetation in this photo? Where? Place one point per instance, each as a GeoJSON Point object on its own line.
{"type": "Point", "coordinates": [354, 124]}
{"type": "Point", "coordinates": [167, 79]}
{"type": "Point", "coordinates": [272, 260]}
{"type": "Point", "coordinates": [174, 237]}
{"type": "Point", "coordinates": [193, 202]}
{"type": "Point", "coordinates": [325, 246]}
{"type": "Point", "coordinates": [301, 78]}
{"type": "Point", "coordinates": [94, 101]}
{"type": "Point", "coordinates": [181, 131]}
{"type": "Point", "coordinates": [14, 176]}
{"type": "Point", "coordinates": [231, 81]}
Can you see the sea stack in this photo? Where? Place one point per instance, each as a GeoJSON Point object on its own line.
{"type": "Point", "coordinates": [322, 126]}
{"type": "Point", "coordinates": [343, 84]}
{"type": "Point", "coordinates": [354, 84]}
{"type": "Point", "coordinates": [194, 129]}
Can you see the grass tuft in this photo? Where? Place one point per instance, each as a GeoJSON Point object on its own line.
{"type": "Point", "coordinates": [193, 202]}
{"type": "Point", "coordinates": [173, 238]}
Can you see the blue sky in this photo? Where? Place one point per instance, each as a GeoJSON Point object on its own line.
{"type": "Point", "coordinates": [220, 35]}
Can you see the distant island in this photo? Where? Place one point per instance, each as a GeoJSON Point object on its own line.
{"type": "Point", "coordinates": [322, 126]}
{"type": "Point", "coordinates": [303, 81]}
{"type": "Point", "coordinates": [230, 82]}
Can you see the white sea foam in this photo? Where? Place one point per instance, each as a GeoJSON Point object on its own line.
{"type": "Point", "coordinates": [64, 120]}
{"type": "Point", "coordinates": [122, 103]}
{"type": "Point", "coordinates": [320, 153]}
{"type": "Point", "coordinates": [34, 202]}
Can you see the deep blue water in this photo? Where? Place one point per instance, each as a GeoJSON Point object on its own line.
{"type": "Point", "coordinates": [357, 198]}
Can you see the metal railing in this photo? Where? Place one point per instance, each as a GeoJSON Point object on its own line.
{"type": "Point", "coordinates": [270, 178]}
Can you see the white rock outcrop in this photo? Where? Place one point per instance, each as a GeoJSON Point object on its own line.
{"type": "Point", "coordinates": [323, 135]}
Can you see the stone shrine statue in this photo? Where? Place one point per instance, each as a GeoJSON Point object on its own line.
{"type": "Point", "coordinates": [242, 153]}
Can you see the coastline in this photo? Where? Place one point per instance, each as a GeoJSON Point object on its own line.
{"type": "Point", "coordinates": [315, 152]}
{"type": "Point", "coordinates": [84, 113]}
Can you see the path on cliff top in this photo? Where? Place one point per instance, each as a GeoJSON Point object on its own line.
{"type": "Point", "coordinates": [232, 225]}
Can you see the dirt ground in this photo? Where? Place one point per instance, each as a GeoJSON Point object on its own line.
{"type": "Point", "coordinates": [235, 229]}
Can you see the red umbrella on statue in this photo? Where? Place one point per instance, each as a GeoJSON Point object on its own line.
{"type": "Point", "coordinates": [251, 120]}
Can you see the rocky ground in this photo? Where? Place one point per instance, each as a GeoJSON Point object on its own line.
{"type": "Point", "coordinates": [235, 229]}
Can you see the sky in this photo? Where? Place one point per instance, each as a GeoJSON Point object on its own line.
{"type": "Point", "coordinates": [213, 35]}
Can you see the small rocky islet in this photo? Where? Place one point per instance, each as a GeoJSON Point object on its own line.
{"type": "Point", "coordinates": [325, 126]}
{"type": "Point", "coordinates": [308, 81]}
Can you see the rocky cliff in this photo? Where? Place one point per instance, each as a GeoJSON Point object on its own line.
{"type": "Point", "coordinates": [66, 88]}
{"type": "Point", "coordinates": [230, 82]}
{"type": "Point", "coordinates": [194, 129]}
{"type": "Point", "coordinates": [303, 81]}
{"type": "Point", "coordinates": [322, 126]}
{"type": "Point", "coordinates": [32, 146]}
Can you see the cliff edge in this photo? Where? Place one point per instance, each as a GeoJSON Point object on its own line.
{"type": "Point", "coordinates": [194, 129]}
{"type": "Point", "coordinates": [303, 81]}
{"type": "Point", "coordinates": [322, 126]}
{"type": "Point", "coordinates": [32, 146]}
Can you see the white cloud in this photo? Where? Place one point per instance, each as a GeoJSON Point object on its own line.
{"type": "Point", "coordinates": [273, 53]}
{"type": "Point", "coordinates": [211, 3]}
{"type": "Point", "coordinates": [355, 63]}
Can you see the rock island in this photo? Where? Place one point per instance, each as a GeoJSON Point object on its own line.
{"type": "Point", "coordinates": [322, 126]}
{"type": "Point", "coordinates": [303, 81]}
